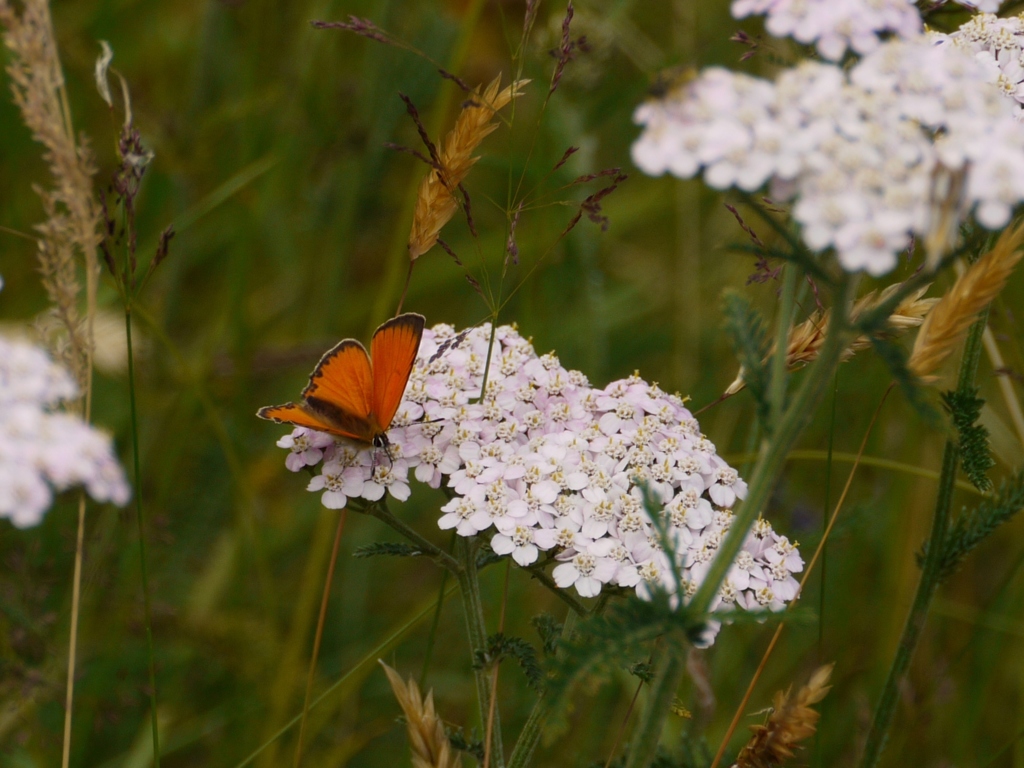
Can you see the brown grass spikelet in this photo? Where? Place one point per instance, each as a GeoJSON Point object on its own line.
{"type": "Point", "coordinates": [429, 743]}
{"type": "Point", "coordinates": [805, 340]}
{"type": "Point", "coordinates": [436, 202]}
{"type": "Point", "coordinates": [974, 290]}
{"type": "Point", "coordinates": [791, 721]}
{"type": "Point", "coordinates": [71, 229]}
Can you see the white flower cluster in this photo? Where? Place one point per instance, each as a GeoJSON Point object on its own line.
{"type": "Point", "coordinates": [42, 450]}
{"type": "Point", "coordinates": [546, 463]}
{"type": "Point", "coordinates": [998, 44]}
{"type": "Point", "coordinates": [834, 25]}
{"type": "Point", "coordinates": [862, 152]}
{"type": "Point", "coordinates": [985, 6]}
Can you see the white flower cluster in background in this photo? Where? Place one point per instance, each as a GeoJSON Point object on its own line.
{"type": "Point", "coordinates": [43, 450]}
{"type": "Point", "coordinates": [985, 6]}
{"type": "Point", "coordinates": [834, 26]}
{"type": "Point", "coordinates": [861, 152]}
{"type": "Point", "coordinates": [998, 44]}
{"type": "Point", "coordinates": [546, 463]}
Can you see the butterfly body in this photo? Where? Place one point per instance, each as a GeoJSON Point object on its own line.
{"type": "Point", "coordinates": [355, 394]}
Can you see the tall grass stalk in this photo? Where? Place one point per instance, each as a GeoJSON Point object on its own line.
{"type": "Point", "coordinates": [930, 569]}
{"type": "Point", "coordinates": [772, 459]}
{"type": "Point", "coordinates": [142, 536]}
{"type": "Point", "coordinates": [819, 554]}
{"type": "Point", "coordinates": [789, 420]}
{"type": "Point", "coordinates": [76, 599]}
{"type": "Point", "coordinates": [319, 635]}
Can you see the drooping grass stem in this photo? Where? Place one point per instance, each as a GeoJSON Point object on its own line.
{"type": "Point", "coordinates": [931, 568]}
{"type": "Point", "coordinates": [142, 537]}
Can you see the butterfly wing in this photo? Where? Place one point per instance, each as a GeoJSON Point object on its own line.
{"type": "Point", "coordinates": [340, 391]}
{"type": "Point", "coordinates": [394, 348]}
{"type": "Point", "coordinates": [296, 414]}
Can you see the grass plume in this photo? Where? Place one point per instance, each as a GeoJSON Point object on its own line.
{"type": "Point", "coordinates": [430, 745]}
{"type": "Point", "coordinates": [805, 340]}
{"type": "Point", "coordinates": [437, 201]}
{"type": "Point", "coordinates": [974, 290]}
{"type": "Point", "coordinates": [68, 238]}
{"type": "Point", "coordinates": [70, 234]}
{"type": "Point", "coordinates": [791, 721]}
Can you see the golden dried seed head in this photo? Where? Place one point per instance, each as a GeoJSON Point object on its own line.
{"type": "Point", "coordinates": [805, 340]}
{"type": "Point", "coordinates": [429, 743]}
{"type": "Point", "coordinates": [436, 202]}
{"type": "Point", "coordinates": [974, 290]}
{"type": "Point", "coordinates": [791, 721]}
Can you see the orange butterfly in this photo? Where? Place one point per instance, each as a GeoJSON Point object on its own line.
{"type": "Point", "coordinates": [354, 394]}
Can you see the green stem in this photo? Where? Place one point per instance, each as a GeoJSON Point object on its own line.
{"type": "Point", "coordinates": [930, 569]}
{"type": "Point", "coordinates": [435, 623]}
{"type": "Point", "coordinates": [476, 628]}
{"type": "Point", "coordinates": [779, 374]}
{"type": "Point", "coordinates": [379, 510]}
{"type": "Point", "coordinates": [774, 451]}
{"type": "Point", "coordinates": [530, 735]}
{"type": "Point", "coordinates": [537, 572]}
{"type": "Point", "coordinates": [142, 537]}
{"type": "Point", "coordinates": [670, 665]}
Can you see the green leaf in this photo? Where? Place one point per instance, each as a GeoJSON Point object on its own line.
{"type": "Point", "coordinates": [500, 647]}
{"type": "Point", "coordinates": [972, 528]}
{"type": "Point", "coordinates": [748, 333]}
{"type": "Point", "coordinates": [972, 441]}
{"type": "Point", "coordinates": [550, 632]}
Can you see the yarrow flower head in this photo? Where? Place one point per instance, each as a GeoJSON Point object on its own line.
{"type": "Point", "coordinates": [836, 26]}
{"type": "Point", "coordinates": [998, 44]}
{"type": "Point", "coordinates": [552, 470]}
{"type": "Point", "coordinates": [859, 152]}
{"type": "Point", "coordinates": [43, 450]}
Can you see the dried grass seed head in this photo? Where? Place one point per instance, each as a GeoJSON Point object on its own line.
{"type": "Point", "coordinates": [436, 202]}
{"type": "Point", "coordinates": [791, 721]}
{"type": "Point", "coordinates": [974, 290]}
{"type": "Point", "coordinates": [71, 229]}
{"type": "Point", "coordinates": [805, 340]}
{"type": "Point", "coordinates": [429, 743]}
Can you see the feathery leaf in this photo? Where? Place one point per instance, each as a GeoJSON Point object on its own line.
{"type": "Point", "coordinates": [972, 441]}
{"type": "Point", "coordinates": [972, 528]}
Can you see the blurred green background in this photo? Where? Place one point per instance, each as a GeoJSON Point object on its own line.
{"type": "Point", "coordinates": [292, 221]}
